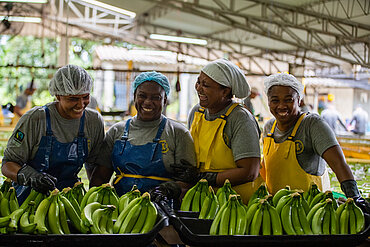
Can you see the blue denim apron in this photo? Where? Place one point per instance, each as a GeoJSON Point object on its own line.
{"type": "Point", "coordinates": [140, 165]}
{"type": "Point", "coordinates": [61, 160]}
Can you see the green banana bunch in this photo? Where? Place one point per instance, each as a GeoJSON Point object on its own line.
{"type": "Point", "coordinates": [31, 197]}
{"type": "Point", "coordinates": [102, 220]}
{"type": "Point", "coordinates": [224, 192]}
{"type": "Point", "coordinates": [126, 198]}
{"type": "Point", "coordinates": [139, 216]}
{"type": "Point", "coordinates": [230, 219]}
{"type": "Point", "coordinates": [68, 193]}
{"type": "Point", "coordinates": [261, 192]}
{"type": "Point", "coordinates": [14, 218]}
{"type": "Point", "coordinates": [9, 202]}
{"type": "Point", "coordinates": [280, 193]}
{"type": "Point", "coordinates": [87, 196]}
{"type": "Point", "coordinates": [79, 191]}
{"type": "Point", "coordinates": [311, 192]}
{"type": "Point", "coordinates": [351, 219]}
{"type": "Point", "coordinates": [26, 222]}
{"type": "Point", "coordinates": [86, 214]}
{"type": "Point", "coordinates": [195, 196]}
{"type": "Point", "coordinates": [210, 205]}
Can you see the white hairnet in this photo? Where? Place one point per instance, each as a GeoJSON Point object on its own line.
{"type": "Point", "coordinates": [284, 79]}
{"type": "Point", "coordinates": [70, 80]}
{"type": "Point", "coordinates": [229, 75]}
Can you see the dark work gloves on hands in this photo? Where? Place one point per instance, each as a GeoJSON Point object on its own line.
{"type": "Point", "coordinates": [165, 191]}
{"type": "Point", "coordinates": [187, 173]}
{"type": "Point", "coordinates": [349, 187]}
{"type": "Point", "coordinates": [39, 181]}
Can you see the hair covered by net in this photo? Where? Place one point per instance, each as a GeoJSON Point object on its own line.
{"type": "Point", "coordinates": [70, 80]}
{"type": "Point", "coordinates": [283, 79]}
{"type": "Point", "coordinates": [154, 76]}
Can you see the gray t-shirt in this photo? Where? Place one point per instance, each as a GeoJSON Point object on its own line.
{"type": "Point", "coordinates": [315, 137]}
{"type": "Point", "coordinates": [360, 117]}
{"type": "Point", "coordinates": [33, 126]}
{"type": "Point", "coordinates": [332, 117]}
{"type": "Point", "coordinates": [241, 132]}
{"type": "Point", "coordinates": [179, 142]}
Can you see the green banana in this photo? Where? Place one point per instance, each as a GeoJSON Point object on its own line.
{"type": "Point", "coordinates": [4, 205]}
{"type": "Point", "coordinates": [344, 221]}
{"type": "Point", "coordinates": [282, 202]}
{"type": "Point", "coordinates": [53, 215]}
{"type": "Point", "coordinates": [96, 218]}
{"type": "Point", "coordinates": [13, 201]}
{"type": "Point", "coordinates": [203, 192]}
{"type": "Point", "coordinates": [241, 220]}
{"type": "Point", "coordinates": [326, 220]}
{"type": "Point", "coordinates": [266, 220]}
{"type": "Point", "coordinates": [131, 219]}
{"type": "Point", "coordinates": [30, 197]}
{"type": "Point", "coordinates": [333, 222]}
{"type": "Point", "coordinates": [73, 216]}
{"type": "Point", "coordinates": [256, 221]}
{"type": "Point", "coordinates": [125, 199]}
{"type": "Point", "coordinates": [205, 207]}
{"type": "Point", "coordinates": [213, 209]}
{"type": "Point", "coordinates": [352, 219]}
{"type": "Point", "coordinates": [4, 221]}
{"type": "Point", "coordinates": [250, 214]}
{"type": "Point", "coordinates": [25, 226]}
{"type": "Point", "coordinates": [313, 211]}
{"type": "Point", "coordinates": [78, 191]}
{"type": "Point", "coordinates": [141, 219]}
{"type": "Point", "coordinates": [87, 195]}
{"type": "Point", "coordinates": [63, 216]}
{"type": "Point", "coordinates": [225, 219]}
{"type": "Point", "coordinates": [86, 214]}
{"type": "Point", "coordinates": [195, 204]}
{"type": "Point", "coordinates": [150, 219]}
{"type": "Point", "coordinates": [216, 222]}
{"type": "Point", "coordinates": [317, 221]}
{"type": "Point", "coordinates": [286, 219]}
{"type": "Point", "coordinates": [67, 192]}
{"type": "Point", "coordinates": [261, 192]}
{"type": "Point", "coordinates": [280, 193]}
{"type": "Point", "coordinates": [360, 218]}
{"type": "Point", "coordinates": [318, 198]}
{"type": "Point", "coordinates": [276, 226]}
{"type": "Point", "coordinates": [6, 185]}
{"type": "Point", "coordinates": [40, 216]}
{"type": "Point", "coordinates": [303, 218]}
{"type": "Point", "coordinates": [295, 218]}
{"type": "Point", "coordinates": [14, 219]}
{"type": "Point", "coordinates": [187, 200]}
{"type": "Point", "coordinates": [232, 222]}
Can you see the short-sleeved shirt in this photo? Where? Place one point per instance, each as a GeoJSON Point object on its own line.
{"type": "Point", "coordinates": [175, 135]}
{"type": "Point", "coordinates": [313, 138]}
{"type": "Point", "coordinates": [360, 117]}
{"type": "Point", "coordinates": [24, 142]}
{"type": "Point", "coordinates": [241, 131]}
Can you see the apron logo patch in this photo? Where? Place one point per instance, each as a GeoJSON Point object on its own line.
{"type": "Point", "coordinates": [164, 146]}
{"type": "Point", "coordinates": [299, 146]}
{"type": "Point", "coordinates": [19, 136]}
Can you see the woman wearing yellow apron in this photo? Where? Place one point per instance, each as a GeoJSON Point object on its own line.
{"type": "Point", "coordinates": [296, 145]}
{"type": "Point", "coordinates": [226, 135]}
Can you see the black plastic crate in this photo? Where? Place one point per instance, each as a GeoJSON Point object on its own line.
{"type": "Point", "coordinates": [195, 232]}
{"type": "Point", "coordinates": [90, 240]}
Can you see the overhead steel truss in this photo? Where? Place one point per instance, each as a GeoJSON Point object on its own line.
{"type": "Point", "coordinates": [330, 35]}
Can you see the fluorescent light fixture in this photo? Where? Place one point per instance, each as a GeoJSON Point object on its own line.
{"type": "Point", "coordinates": [111, 7]}
{"type": "Point", "coordinates": [22, 19]}
{"type": "Point", "coordinates": [178, 39]}
{"type": "Point", "coordinates": [25, 1]}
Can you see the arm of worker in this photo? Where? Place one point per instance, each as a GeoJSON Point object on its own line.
{"type": "Point", "coordinates": [27, 176]}
{"type": "Point", "coordinates": [335, 159]}
{"type": "Point", "coordinates": [100, 175]}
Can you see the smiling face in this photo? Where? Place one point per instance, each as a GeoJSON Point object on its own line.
{"type": "Point", "coordinates": [284, 102]}
{"type": "Point", "coordinates": [150, 98]}
{"type": "Point", "coordinates": [212, 95]}
{"type": "Point", "coordinates": [72, 106]}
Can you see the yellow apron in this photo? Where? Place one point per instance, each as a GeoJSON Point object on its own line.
{"type": "Point", "coordinates": [16, 118]}
{"type": "Point", "coordinates": [281, 166]}
{"type": "Point", "coordinates": [213, 155]}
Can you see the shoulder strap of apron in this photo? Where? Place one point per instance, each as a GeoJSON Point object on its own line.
{"type": "Point", "coordinates": [160, 129]}
{"type": "Point", "coordinates": [224, 116]}
{"type": "Point", "coordinates": [49, 138]}
{"type": "Point", "coordinates": [82, 125]}
{"type": "Point", "coordinates": [125, 132]}
{"type": "Point", "coordinates": [296, 126]}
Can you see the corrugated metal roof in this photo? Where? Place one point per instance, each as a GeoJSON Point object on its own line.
{"type": "Point", "coordinates": [114, 53]}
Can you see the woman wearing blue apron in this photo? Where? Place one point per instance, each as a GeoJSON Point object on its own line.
{"type": "Point", "coordinates": [142, 150]}
{"type": "Point", "coordinates": [51, 143]}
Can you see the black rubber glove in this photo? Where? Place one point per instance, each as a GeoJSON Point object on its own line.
{"type": "Point", "coordinates": [39, 181]}
{"type": "Point", "coordinates": [165, 191]}
{"type": "Point", "coordinates": [349, 187]}
{"type": "Point", "coordinates": [187, 173]}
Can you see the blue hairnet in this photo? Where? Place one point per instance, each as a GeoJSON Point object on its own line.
{"type": "Point", "coordinates": [152, 76]}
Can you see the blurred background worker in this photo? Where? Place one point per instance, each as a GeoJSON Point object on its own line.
{"type": "Point", "coordinates": [23, 102]}
{"type": "Point", "coordinates": [248, 100]}
{"type": "Point", "coordinates": [360, 117]}
{"type": "Point", "coordinates": [332, 116]}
